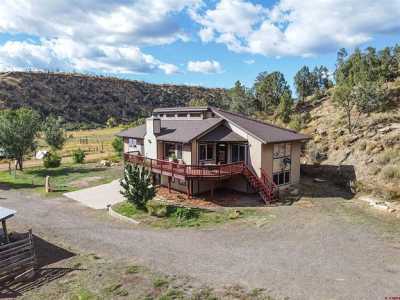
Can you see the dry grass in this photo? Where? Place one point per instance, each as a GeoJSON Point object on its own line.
{"type": "Point", "coordinates": [94, 141]}
{"type": "Point", "coordinates": [391, 171]}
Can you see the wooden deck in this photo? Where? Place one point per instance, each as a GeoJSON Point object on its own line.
{"type": "Point", "coordinates": [183, 172]}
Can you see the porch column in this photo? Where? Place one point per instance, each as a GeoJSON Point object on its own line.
{"type": "Point", "coordinates": [169, 184]}
{"type": "Point", "coordinates": [3, 223]}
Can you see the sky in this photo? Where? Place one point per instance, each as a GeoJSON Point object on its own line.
{"type": "Point", "coordinates": [195, 42]}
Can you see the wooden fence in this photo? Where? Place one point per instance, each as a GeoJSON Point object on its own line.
{"type": "Point", "coordinates": [17, 259]}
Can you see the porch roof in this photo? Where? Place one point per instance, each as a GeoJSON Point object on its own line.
{"type": "Point", "coordinates": [222, 134]}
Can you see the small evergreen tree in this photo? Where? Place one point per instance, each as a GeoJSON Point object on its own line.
{"type": "Point", "coordinates": [137, 186]}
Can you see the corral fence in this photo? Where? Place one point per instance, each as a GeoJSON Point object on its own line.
{"type": "Point", "coordinates": [18, 259]}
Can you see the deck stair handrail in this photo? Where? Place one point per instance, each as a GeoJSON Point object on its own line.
{"type": "Point", "coordinates": [263, 185]}
{"type": "Point", "coordinates": [265, 190]}
{"type": "Point", "coordinates": [270, 183]}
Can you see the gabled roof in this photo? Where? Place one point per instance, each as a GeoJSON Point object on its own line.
{"type": "Point", "coordinates": [135, 132]}
{"type": "Point", "coordinates": [265, 132]}
{"type": "Point", "coordinates": [185, 131]}
{"type": "Point", "coordinates": [182, 131]}
{"type": "Point", "coordinates": [222, 134]}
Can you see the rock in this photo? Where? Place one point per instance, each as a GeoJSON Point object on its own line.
{"type": "Point", "coordinates": [319, 180]}
{"type": "Point", "coordinates": [105, 163]}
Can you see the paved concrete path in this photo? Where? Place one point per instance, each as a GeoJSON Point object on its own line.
{"type": "Point", "coordinates": [327, 248]}
{"type": "Point", "coordinates": [98, 197]}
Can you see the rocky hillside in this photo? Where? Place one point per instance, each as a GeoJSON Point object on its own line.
{"type": "Point", "coordinates": [371, 152]}
{"type": "Point", "coordinates": [92, 100]}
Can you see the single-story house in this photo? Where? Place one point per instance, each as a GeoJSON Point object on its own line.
{"type": "Point", "coordinates": [197, 149]}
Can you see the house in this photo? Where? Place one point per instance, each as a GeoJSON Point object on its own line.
{"type": "Point", "coordinates": [197, 149]}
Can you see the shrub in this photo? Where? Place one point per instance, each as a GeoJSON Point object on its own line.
{"type": "Point", "coordinates": [295, 123]}
{"type": "Point", "coordinates": [186, 213]}
{"type": "Point", "coordinates": [51, 160]}
{"type": "Point", "coordinates": [118, 145]}
{"type": "Point", "coordinates": [78, 156]}
{"type": "Point", "coordinates": [137, 187]}
{"type": "Point", "coordinates": [387, 156]}
{"type": "Point", "coordinates": [157, 208]}
{"type": "Point", "coordinates": [391, 171]}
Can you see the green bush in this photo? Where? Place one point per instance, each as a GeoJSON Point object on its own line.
{"type": "Point", "coordinates": [51, 160]}
{"type": "Point", "coordinates": [157, 208]}
{"type": "Point", "coordinates": [78, 156]}
{"type": "Point", "coordinates": [118, 145]}
{"type": "Point", "coordinates": [185, 213]}
{"type": "Point", "coordinates": [137, 186]}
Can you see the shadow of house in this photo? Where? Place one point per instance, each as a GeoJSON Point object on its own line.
{"type": "Point", "coordinates": [342, 176]}
{"type": "Point", "coordinates": [47, 254]}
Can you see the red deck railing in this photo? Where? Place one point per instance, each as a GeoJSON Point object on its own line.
{"type": "Point", "coordinates": [185, 171]}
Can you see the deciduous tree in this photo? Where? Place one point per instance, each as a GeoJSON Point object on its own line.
{"type": "Point", "coordinates": [18, 131]}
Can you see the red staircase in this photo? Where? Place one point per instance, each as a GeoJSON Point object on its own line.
{"type": "Point", "coordinates": [264, 186]}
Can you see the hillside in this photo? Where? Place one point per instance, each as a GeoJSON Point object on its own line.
{"type": "Point", "coordinates": [91, 99]}
{"type": "Point", "coordinates": [372, 151]}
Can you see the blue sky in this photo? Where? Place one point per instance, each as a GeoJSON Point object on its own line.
{"type": "Point", "coordinates": [208, 43]}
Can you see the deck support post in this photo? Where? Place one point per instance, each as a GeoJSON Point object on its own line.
{"type": "Point", "coordinates": [4, 225]}
{"type": "Point", "coordinates": [188, 189]}
{"type": "Point", "coordinates": [212, 188]}
{"type": "Point", "coordinates": [169, 184]}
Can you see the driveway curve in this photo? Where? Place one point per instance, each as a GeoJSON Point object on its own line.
{"type": "Point", "coordinates": [329, 249]}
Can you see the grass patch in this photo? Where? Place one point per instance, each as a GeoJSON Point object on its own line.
{"type": "Point", "coordinates": [62, 179]}
{"type": "Point", "coordinates": [191, 217]}
{"type": "Point", "coordinates": [391, 171]}
{"type": "Point", "coordinates": [388, 156]}
{"type": "Point", "coordinates": [160, 282]}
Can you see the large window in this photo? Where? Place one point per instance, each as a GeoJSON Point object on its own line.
{"type": "Point", "coordinates": [238, 152]}
{"type": "Point", "coordinates": [206, 151]}
{"type": "Point", "coordinates": [281, 163]}
{"type": "Point", "coordinates": [173, 150]}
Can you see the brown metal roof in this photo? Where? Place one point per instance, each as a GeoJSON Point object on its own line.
{"type": "Point", "coordinates": [267, 133]}
{"type": "Point", "coordinates": [182, 131]}
{"type": "Point", "coordinates": [222, 134]}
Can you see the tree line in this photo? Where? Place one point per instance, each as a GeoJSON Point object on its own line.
{"type": "Point", "coordinates": [357, 85]}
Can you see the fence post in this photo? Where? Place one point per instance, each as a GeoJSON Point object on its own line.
{"type": "Point", "coordinates": [47, 184]}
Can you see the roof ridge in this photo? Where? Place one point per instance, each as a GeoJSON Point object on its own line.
{"type": "Point", "coordinates": [252, 119]}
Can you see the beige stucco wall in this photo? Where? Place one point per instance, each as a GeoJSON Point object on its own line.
{"type": "Point", "coordinates": [187, 153]}
{"type": "Point", "coordinates": [295, 172]}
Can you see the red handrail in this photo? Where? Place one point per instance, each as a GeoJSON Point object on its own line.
{"type": "Point", "coordinates": [187, 170]}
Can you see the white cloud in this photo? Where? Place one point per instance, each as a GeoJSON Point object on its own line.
{"type": "Point", "coordinates": [80, 34]}
{"type": "Point", "coordinates": [249, 61]}
{"type": "Point", "coordinates": [205, 67]}
{"type": "Point", "coordinates": [297, 27]}
{"type": "Point", "coordinates": [65, 54]}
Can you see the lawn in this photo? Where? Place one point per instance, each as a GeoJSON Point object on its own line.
{"type": "Point", "coordinates": [195, 217]}
{"type": "Point", "coordinates": [66, 178]}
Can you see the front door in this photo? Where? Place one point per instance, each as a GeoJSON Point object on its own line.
{"type": "Point", "coordinates": [222, 153]}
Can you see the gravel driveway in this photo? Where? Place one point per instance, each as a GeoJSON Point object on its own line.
{"type": "Point", "coordinates": [323, 248]}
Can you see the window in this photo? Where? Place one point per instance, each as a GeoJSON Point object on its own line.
{"type": "Point", "coordinates": [173, 150]}
{"type": "Point", "coordinates": [169, 150]}
{"type": "Point", "coordinates": [182, 115]}
{"type": "Point", "coordinates": [206, 151]}
{"type": "Point", "coordinates": [179, 151]}
{"type": "Point", "coordinates": [170, 115]}
{"type": "Point", "coordinates": [281, 163]}
{"type": "Point", "coordinates": [132, 142]}
{"type": "Point", "coordinates": [195, 115]}
{"type": "Point", "coordinates": [238, 152]}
